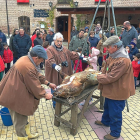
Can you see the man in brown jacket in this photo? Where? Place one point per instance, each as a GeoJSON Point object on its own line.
{"type": "Point", "coordinates": [21, 90]}
{"type": "Point", "coordinates": [117, 84]}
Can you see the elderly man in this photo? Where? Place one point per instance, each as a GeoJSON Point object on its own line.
{"type": "Point", "coordinates": [50, 35]}
{"type": "Point", "coordinates": [117, 84]}
{"type": "Point", "coordinates": [59, 55]}
{"type": "Point", "coordinates": [21, 90]}
{"type": "Point", "coordinates": [22, 43]}
{"type": "Point", "coordinates": [112, 30]}
{"type": "Point", "coordinates": [129, 34]}
{"type": "Point", "coordinates": [74, 31]}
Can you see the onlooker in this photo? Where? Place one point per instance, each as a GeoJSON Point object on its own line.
{"type": "Point", "coordinates": [22, 43]}
{"type": "Point", "coordinates": [50, 35]}
{"type": "Point", "coordinates": [138, 41]}
{"type": "Point", "coordinates": [93, 40]}
{"type": "Point", "coordinates": [35, 31]}
{"type": "Point", "coordinates": [136, 67]}
{"type": "Point", "coordinates": [34, 36]}
{"type": "Point", "coordinates": [79, 67]}
{"type": "Point", "coordinates": [112, 30]}
{"type": "Point", "coordinates": [78, 41]}
{"type": "Point", "coordinates": [7, 57]}
{"type": "Point", "coordinates": [97, 30]}
{"type": "Point", "coordinates": [11, 45]}
{"type": "Point", "coordinates": [1, 49]}
{"type": "Point", "coordinates": [2, 67]}
{"type": "Point", "coordinates": [93, 57]}
{"type": "Point", "coordinates": [46, 45]}
{"type": "Point", "coordinates": [74, 31]}
{"type": "Point", "coordinates": [103, 54]}
{"type": "Point", "coordinates": [132, 49]}
{"type": "Point", "coordinates": [58, 54]}
{"type": "Point", "coordinates": [44, 35]}
{"type": "Point", "coordinates": [38, 40]}
{"type": "Point", "coordinates": [86, 29]}
{"type": "Point", "coordinates": [129, 34]}
{"type": "Point", "coordinates": [2, 37]}
{"type": "Point", "coordinates": [121, 32]}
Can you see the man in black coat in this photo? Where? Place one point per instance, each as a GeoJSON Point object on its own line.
{"type": "Point", "coordinates": [22, 43]}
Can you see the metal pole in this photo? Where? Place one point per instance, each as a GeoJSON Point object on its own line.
{"type": "Point", "coordinates": [7, 19]}
{"type": "Point", "coordinates": [83, 49]}
{"type": "Point", "coordinates": [109, 18]}
{"type": "Point", "coordinates": [114, 17]}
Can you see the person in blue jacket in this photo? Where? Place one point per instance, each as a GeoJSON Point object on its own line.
{"type": "Point", "coordinates": [133, 50]}
{"type": "Point", "coordinates": [2, 37]}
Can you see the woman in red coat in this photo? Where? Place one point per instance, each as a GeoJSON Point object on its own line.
{"type": "Point", "coordinates": [7, 57]}
{"type": "Point", "coordinates": [2, 67]}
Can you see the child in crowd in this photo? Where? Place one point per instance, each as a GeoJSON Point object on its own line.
{"type": "Point", "coordinates": [132, 49]}
{"type": "Point", "coordinates": [79, 68]}
{"type": "Point", "coordinates": [7, 57]}
{"type": "Point", "coordinates": [136, 67]}
{"type": "Point", "coordinates": [46, 45]}
{"type": "Point", "coordinates": [93, 57]}
{"type": "Point", "coordinates": [2, 67]}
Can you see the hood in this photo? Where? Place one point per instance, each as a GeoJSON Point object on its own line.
{"type": "Point", "coordinates": [122, 52]}
{"type": "Point", "coordinates": [95, 52]}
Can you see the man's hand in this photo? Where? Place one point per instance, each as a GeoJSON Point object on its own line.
{"type": "Point", "coordinates": [57, 68]}
{"type": "Point", "coordinates": [53, 86]}
{"type": "Point", "coordinates": [48, 96]}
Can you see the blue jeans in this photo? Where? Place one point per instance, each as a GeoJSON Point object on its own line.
{"type": "Point", "coordinates": [112, 115]}
{"type": "Point", "coordinates": [100, 61]}
{"type": "Point", "coordinates": [54, 102]}
{"type": "Point", "coordinates": [135, 80]}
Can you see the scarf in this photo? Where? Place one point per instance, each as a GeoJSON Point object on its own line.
{"type": "Point", "coordinates": [37, 67]}
{"type": "Point", "coordinates": [58, 49]}
{"type": "Point", "coordinates": [122, 52]}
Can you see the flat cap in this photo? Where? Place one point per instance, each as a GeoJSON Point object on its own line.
{"type": "Point", "coordinates": [111, 40]}
{"type": "Point", "coordinates": [40, 51]}
{"type": "Point", "coordinates": [51, 29]}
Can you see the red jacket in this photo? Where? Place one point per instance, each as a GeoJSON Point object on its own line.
{"type": "Point", "coordinates": [136, 68]}
{"type": "Point", "coordinates": [79, 68]}
{"type": "Point", "coordinates": [7, 56]}
{"type": "Point", "coordinates": [33, 38]}
{"type": "Point", "coordinates": [2, 66]}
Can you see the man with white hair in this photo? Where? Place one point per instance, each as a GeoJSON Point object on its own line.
{"type": "Point", "coordinates": [129, 34]}
{"type": "Point", "coordinates": [59, 55]}
{"type": "Point", "coordinates": [117, 84]}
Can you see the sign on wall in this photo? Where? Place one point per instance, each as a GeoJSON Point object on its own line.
{"type": "Point", "coordinates": [41, 13]}
{"type": "Point", "coordinates": [22, 1]}
{"type": "Point", "coordinates": [101, 0]}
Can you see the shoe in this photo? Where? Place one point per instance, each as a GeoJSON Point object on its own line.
{"type": "Point", "coordinates": [100, 123]}
{"type": "Point", "coordinates": [109, 137]}
{"type": "Point", "coordinates": [22, 138]}
{"type": "Point", "coordinates": [138, 85]}
{"type": "Point", "coordinates": [42, 68]}
{"type": "Point", "coordinates": [30, 136]}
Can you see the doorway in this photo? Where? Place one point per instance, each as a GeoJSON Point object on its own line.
{"type": "Point", "coordinates": [62, 26]}
{"type": "Point", "coordinates": [24, 22]}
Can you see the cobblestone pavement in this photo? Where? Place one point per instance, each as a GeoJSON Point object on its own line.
{"type": "Point", "coordinates": [43, 122]}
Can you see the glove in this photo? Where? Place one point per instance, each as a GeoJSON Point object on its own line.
{"type": "Point", "coordinates": [57, 68]}
{"type": "Point", "coordinates": [93, 77]}
{"type": "Point", "coordinates": [85, 59]}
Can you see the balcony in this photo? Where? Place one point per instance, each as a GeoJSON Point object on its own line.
{"type": "Point", "coordinates": [63, 1]}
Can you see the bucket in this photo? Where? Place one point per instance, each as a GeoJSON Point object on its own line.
{"type": "Point", "coordinates": [6, 117]}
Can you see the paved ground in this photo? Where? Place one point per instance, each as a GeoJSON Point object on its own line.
{"type": "Point", "coordinates": [43, 121]}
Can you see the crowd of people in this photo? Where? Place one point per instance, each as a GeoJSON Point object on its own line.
{"type": "Point", "coordinates": [118, 59]}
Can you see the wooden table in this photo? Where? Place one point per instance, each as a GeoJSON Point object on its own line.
{"type": "Point", "coordinates": [76, 118]}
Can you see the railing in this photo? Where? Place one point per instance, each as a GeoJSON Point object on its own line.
{"type": "Point", "coordinates": [63, 1]}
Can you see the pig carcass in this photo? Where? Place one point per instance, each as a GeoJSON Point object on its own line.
{"type": "Point", "coordinates": [73, 85]}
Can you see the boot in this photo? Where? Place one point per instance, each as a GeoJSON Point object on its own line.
{"type": "Point", "coordinates": [109, 137]}
{"type": "Point", "coordinates": [100, 123]}
{"type": "Point", "coordinates": [22, 138]}
{"type": "Point", "coordinates": [30, 136]}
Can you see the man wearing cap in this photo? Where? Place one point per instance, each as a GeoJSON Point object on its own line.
{"type": "Point", "coordinates": [117, 84]}
{"type": "Point", "coordinates": [21, 90]}
{"type": "Point", "coordinates": [50, 36]}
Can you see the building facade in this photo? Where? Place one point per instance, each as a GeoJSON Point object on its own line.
{"type": "Point", "coordinates": [35, 13]}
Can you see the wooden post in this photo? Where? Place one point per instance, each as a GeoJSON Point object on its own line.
{"type": "Point", "coordinates": [69, 28]}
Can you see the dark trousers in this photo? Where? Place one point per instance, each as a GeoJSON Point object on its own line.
{"type": "Point", "coordinates": [112, 115]}
{"type": "Point", "coordinates": [8, 67]}
{"type": "Point", "coordinates": [54, 102]}
{"type": "Point", "coordinates": [15, 59]}
{"type": "Point", "coordinates": [100, 61]}
{"type": "Point", "coordinates": [135, 80]}
{"type": "Point", "coordinates": [1, 75]}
